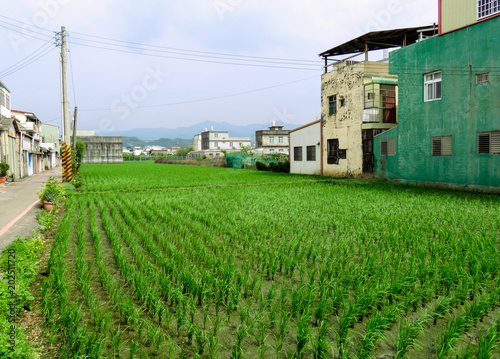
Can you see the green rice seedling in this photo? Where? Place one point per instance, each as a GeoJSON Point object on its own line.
{"type": "Point", "coordinates": [451, 332]}
{"type": "Point", "coordinates": [241, 333]}
{"type": "Point", "coordinates": [303, 333]}
{"type": "Point", "coordinates": [319, 342]}
{"type": "Point", "coordinates": [213, 347]}
{"type": "Point", "coordinates": [201, 341]}
{"type": "Point", "coordinates": [409, 331]}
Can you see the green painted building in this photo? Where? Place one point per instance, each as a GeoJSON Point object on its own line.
{"type": "Point", "coordinates": [449, 110]}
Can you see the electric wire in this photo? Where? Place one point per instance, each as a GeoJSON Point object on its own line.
{"type": "Point", "coordinates": [34, 59]}
{"type": "Point", "coordinates": [27, 58]}
{"type": "Point", "coordinates": [193, 51]}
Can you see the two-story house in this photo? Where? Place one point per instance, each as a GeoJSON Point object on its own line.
{"type": "Point", "coordinates": [31, 155]}
{"type": "Point", "coordinates": [449, 124]}
{"type": "Point", "coordinates": [272, 141]}
{"type": "Point", "coordinates": [213, 142]}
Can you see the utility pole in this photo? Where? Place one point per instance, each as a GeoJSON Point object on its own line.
{"type": "Point", "coordinates": [65, 101]}
{"type": "Point", "coordinates": [74, 128]}
{"type": "Point", "coordinates": [65, 146]}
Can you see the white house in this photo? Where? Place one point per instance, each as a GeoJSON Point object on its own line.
{"type": "Point", "coordinates": [220, 140]}
{"type": "Point", "coordinates": [305, 149]}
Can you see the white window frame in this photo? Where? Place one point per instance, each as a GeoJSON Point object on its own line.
{"type": "Point", "coordinates": [280, 139]}
{"type": "Point", "coordinates": [271, 139]}
{"type": "Point", "coordinates": [486, 8]}
{"type": "Point", "coordinates": [271, 151]}
{"type": "Point", "coordinates": [431, 84]}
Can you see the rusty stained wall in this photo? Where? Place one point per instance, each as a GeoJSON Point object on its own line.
{"type": "Point", "coordinates": [346, 81]}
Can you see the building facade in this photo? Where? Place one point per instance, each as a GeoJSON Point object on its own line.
{"type": "Point", "coordinates": [102, 149]}
{"type": "Point", "coordinates": [449, 124]}
{"type": "Point", "coordinates": [305, 149]}
{"type": "Point", "coordinates": [220, 140]}
{"type": "Point", "coordinates": [272, 141]}
{"type": "Point", "coordinates": [358, 101]}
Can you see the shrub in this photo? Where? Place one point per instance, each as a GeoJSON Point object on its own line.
{"type": "Point", "coordinates": [52, 191]}
{"type": "Point", "coordinates": [4, 167]}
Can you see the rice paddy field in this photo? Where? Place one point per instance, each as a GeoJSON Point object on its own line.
{"type": "Point", "coordinates": [169, 261]}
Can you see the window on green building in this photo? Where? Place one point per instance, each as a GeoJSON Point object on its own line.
{"type": "Point", "coordinates": [488, 142]}
{"type": "Point", "coordinates": [442, 146]}
{"type": "Point", "coordinates": [332, 105]}
{"type": "Point", "coordinates": [432, 86]}
{"type": "Point", "coordinates": [388, 147]}
{"type": "Point", "coordinates": [482, 78]}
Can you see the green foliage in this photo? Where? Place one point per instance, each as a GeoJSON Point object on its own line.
{"type": "Point", "coordinates": [24, 253]}
{"type": "Point", "coordinates": [53, 191]}
{"type": "Point", "coordinates": [183, 151]}
{"type": "Point", "coordinates": [214, 262]}
{"type": "Point", "coordinates": [4, 167]}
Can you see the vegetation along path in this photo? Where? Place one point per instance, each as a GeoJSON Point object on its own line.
{"type": "Point", "coordinates": [289, 266]}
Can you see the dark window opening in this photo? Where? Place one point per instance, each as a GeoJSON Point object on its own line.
{"type": "Point", "coordinates": [297, 153]}
{"type": "Point", "coordinates": [334, 154]}
{"type": "Point", "coordinates": [311, 153]}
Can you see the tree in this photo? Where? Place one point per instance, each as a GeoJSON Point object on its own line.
{"type": "Point", "coordinates": [183, 151]}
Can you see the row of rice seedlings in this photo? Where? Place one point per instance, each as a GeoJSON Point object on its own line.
{"type": "Point", "coordinates": [470, 315]}
{"type": "Point", "coordinates": [184, 308]}
{"type": "Point", "coordinates": [134, 316]}
{"type": "Point", "coordinates": [486, 344]}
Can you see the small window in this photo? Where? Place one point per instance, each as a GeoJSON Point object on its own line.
{"type": "Point", "coordinates": [216, 135]}
{"type": "Point", "coordinates": [271, 139]}
{"type": "Point", "coordinates": [433, 86]}
{"type": "Point", "coordinates": [216, 144]}
{"type": "Point", "coordinates": [333, 152]}
{"type": "Point", "coordinates": [2, 98]}
{"type": "Point", "coordinates": [332, 105]}
{"type": "Point", "coordinates": [271, 151]}
{"type": "Point", "coordinates": [282, 150]}
{"type": "Point", "coordinates": [388, 147]}
{"type": "Point", "coordinates": [7, 101]}
{"type": "Point", "coordinates": [297, 153]}
{"type": "Point", "coordinates": [489, 142]}
{"type": "Point", "coordinates": [311, 153]}
{"type": "Point", "coordinates": [231, 144]}
{"type": "Point", "coordinates": [442, 146]}
{"type": "Point", "coordinates": [482, 78]}
{"type": "Point", "coordinates": [487, 8]}
{"type": "Point", "coordinates": [280, 139]}
{"type": "Point", "coordinates": [342, 102]}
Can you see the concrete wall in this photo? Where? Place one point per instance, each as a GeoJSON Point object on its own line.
{"type": "Point", "coordinates": [465, 109]}
{"type": "Point", "coordinates": [102, 149]}
{"type": "Point", "coordinates": [308, 135]}
{"type": "Point", "coordinates": [346, 82]}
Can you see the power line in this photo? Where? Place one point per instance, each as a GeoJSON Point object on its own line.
{"type": "Point", "coordinates": [210, 98]}
{"type": "Point", "coordinates": [194, 51]}
{"type": "Point", "coordinates": [34, 59]}
{"type": "Point", "coordinates": [203, 60]}
{"type": "Point", "coordinates": [26, 58]}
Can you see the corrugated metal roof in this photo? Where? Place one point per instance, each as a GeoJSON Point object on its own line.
{"type": "Point", "coordinates": [378, 40]}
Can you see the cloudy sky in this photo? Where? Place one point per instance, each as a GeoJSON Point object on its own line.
{"type": "Point", "coordinates": [166, 63]}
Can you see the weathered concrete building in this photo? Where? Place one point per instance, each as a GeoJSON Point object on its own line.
{"type": "Point", "coordinates": [359, 101]}
{"type": "Point", "coordinates": [102, 149]}
{"type": "Point", "coordinates": [449, 126]}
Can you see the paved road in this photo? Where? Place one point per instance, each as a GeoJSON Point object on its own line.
{"type": "Point", "coordinates": [19, 204]}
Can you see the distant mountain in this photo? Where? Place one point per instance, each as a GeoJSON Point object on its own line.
{"type": "Point", "coordinates": [150, 134]}
{"type": "Point", "coordinates": [130, 142]}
